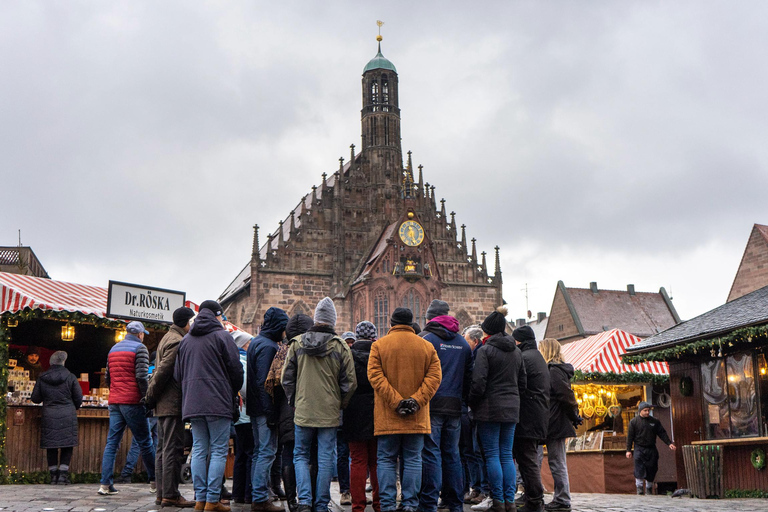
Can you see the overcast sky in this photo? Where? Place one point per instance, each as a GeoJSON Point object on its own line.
{"type": "Point", "coordinates": [617, 142]}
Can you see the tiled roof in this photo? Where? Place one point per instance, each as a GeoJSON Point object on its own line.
{"type": "Point", "coordinates": [751, 309]}
{"type": "Point", "coordinates": [642, 314]}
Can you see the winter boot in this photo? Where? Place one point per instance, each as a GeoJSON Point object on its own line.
{"type": "Point", "coordinates": [277, 488]}
{"type": "Point", "coordinates": [510, 506]}
{"type": "Point", "coordinates": [54, 476]}
{"type": "Point", "coordinates": [289, 480]}
{"type": "Point", "coordinates": [64, 477]}
{"type": "Point", "coordinates": [648, 488]}
{"type": "Point", "coordinates": [640, 490]}
{"type": "Point", "coordinates": [497, 506]}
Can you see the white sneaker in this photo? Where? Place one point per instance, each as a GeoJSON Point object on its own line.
{"type": "Point", "coordinates": [107, 490]}
{"type": "Point", "coordinates": [483, 505]}
{"type": "Point", "coordinates": [153, 486]}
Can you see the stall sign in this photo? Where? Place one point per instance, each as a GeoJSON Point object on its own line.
{"type": "Point", "coordinates": [144, 303]}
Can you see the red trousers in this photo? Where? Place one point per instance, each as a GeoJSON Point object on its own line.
{"type": "Point", "coordinates": [363, 455]}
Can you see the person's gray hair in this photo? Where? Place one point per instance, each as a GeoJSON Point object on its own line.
{"type": "Point", "coordinates": [475, 332]}
{"type": "Point", "coordinates": [58, 357]}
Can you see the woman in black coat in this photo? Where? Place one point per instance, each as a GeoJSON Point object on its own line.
{"type": "Point", "coordinates": [61, 396]}
{"type": "Point", "coordinates": [498, 380]}
{"type": "Point", "coordinates": [563, 415]}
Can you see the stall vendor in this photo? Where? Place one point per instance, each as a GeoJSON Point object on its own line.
{"type": "Point", "coordinates": [31, 363]}
{"type": "Point", "coordinates": [643, 430]}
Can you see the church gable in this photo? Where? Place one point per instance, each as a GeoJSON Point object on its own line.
{"type": "Point", "coordinates": [753, 269]}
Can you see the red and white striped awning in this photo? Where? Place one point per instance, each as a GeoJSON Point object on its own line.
{"type": "Point", "coordinates": [602, 353]}
{"type": "Point", "coordinates": [19, 292]}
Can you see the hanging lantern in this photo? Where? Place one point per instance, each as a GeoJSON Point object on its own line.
{"type": "Point", "coordinates": [68, 332]}
{"type": "Point", "coordinates": [12, 321]}
{"type": "Point", "coordinates": [119, 335]}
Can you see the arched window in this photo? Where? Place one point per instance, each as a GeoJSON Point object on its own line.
{"type": "Point", "coordinates": [384, 89]}
{"type": "Point", "coordinates": [381, 312]}
{"type": "Point", "coordinates": [411, 301]}
{"type": "Point", "coordinates": [374, 92]}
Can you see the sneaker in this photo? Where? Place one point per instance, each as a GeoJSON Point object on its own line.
{"type": "Point", "coordinates": [107, 490]}
{"type": "Point", "coordinates": [123, 479]}
{"type": "Point", "coordinates": [265, 506]}
{"type": "Point", "coordinates": [346, 498]}
{"type": "Point", "coordinates": [557, 507]}
{"type": "Point", "coordinates": [484, 505]}
{"type": "Point", "coordinates": [153, 486]}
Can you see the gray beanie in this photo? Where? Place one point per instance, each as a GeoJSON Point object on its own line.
{"type": "Point", "coordinates": [241, 338]}
{"type": "Point", "coordinates": [437, 308]}
{"type": "Point", "coordinates": [58, 357]}
{"type": "Point", "coordinates": [325, 312]}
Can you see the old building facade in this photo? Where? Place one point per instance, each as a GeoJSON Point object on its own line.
{"type": "Point", "coordinates": [371, 236]}
{"type": "Point", "coordinates": [753, 269]}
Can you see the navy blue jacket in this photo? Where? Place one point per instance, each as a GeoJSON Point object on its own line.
{"type": "Point", "coordinates": [534, 401]}
{"type": "Point", "coordinates": [208, 368]}
{"type": "Point", "coordinates": [261, 352]}
{"type": "Point", "coordinates": [456, 363]}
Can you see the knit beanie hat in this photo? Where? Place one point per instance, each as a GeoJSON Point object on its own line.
{"type": "Point", "coordinates": [496, 322]}
{"type": "Point", "coordinates": [644, 405]}
{"type": "Point", "coordinates": [437, 308]}
{"type": "Point", "coordinates": [524, 333]}
{"type": "Point", "coordinates": [181, 316]}
{"type": "Point", "coordinates": [241, 338]}
{"type": "Point", "coordinates": [366, 331]}
{"type": "Point", "coordinates": [401, 316]}
{"type": "Point", "coordinates": [213, 306]}
{"type": "Point", "coordinates": [58, 357]}
{"type": "Point", "coordinates": [297, 325]}
{"type": "Point", "coordinates": [325, 312]}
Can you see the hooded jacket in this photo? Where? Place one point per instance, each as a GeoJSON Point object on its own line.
{"type": "Point", "coordinates": [208, 368]}
{"type": "Point", "coordinates": [358, 416]}
{"type": "Point", "coordinates": [403, 365]}
{"type": "Point", "coordinates": [534, 401]}
{"type": "Point", "coordinates": [498, 380]}
{"type": "Point", "coordinates": [563, 409]}
{"type": "Point", "coordinates": [61, 396]}
{"type": "Point", "coordinates": [261, 352]}
{"type": "Point", "coordinates": [163, 389]}
{"type": "Point", "coordinates": [455, 362]}
{"type": "Point", "coordinates": [318, 377]}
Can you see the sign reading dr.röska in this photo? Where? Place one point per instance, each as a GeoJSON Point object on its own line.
{"type": "Point", "coordinates": [144, 303]}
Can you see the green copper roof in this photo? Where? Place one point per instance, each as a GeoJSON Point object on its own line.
{"type": "Point", "coordinates": [379, 62]}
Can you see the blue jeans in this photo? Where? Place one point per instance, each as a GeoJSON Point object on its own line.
{"type": "Point", "coordinates": [389, 447]}
{"type": "Point", "coordinates": [133, 417]}
{"type": "Point", "coordinates": [342, 462]}
{"type": "Point", "coordinates": [442, 468]}
{"type": "Point", "coordinates": [326, 444]}
{"type": "Point", "coordinates": [497, 440]}
{"type": "Point", "coordinates": [133, 453]}
{"type": "Point", "coordinates": [264, 449]}
{"type": "Point", "coordinates": [210, 438]}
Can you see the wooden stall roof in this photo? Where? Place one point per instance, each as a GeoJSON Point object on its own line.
{"type": "Point", "coordinates": [602, 353]}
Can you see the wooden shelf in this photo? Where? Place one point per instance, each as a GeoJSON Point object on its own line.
{"type": "Point", "coordinates": [740, 440]}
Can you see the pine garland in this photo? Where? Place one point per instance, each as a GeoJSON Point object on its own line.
{"type": "Point", "coordinates": [3, 405]}
{"type": "Point", "coordinates": [738, 339]}
{"type": "Point", "coordinates": [620, 378]}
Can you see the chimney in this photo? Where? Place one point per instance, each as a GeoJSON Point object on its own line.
{"type": "Point", "coordinates": [631, 289]}
{"type": "Point", "coordinates": [520, 322]}
{"type": "Point", "coordinates": [541, 316]}
{"type": "Point", "coordinates": [593, 286]}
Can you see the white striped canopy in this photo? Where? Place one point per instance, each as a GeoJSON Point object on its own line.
{"type": "Point", "coordinates": [19, 292]}
{"type": "Point", "coordinates": [602, 353]}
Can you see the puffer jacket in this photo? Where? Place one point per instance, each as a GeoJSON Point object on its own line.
{"type": "Point", "coordinates": [127, 371]}
{"type": "Point", "coordinates": [455, 362]}
{"type": "Point", "coordinates": [163, 389]}
{"type": "Point", "coordinates": [318, 377]}
{"type": "Point", "coordinates": [498, 380]}
{"type": "Point", "coordinates": [61, 396]}
{"type": "Point", "coordinates": [358, 416]}
{"type": "Point", "coordinates": [261, 352]}
{"type": "Point", "coordinates": [534, 401]}
{"type": "Point", "coordinates": [208, 368]}
{"type": "Point", "coordinates": [403, 365]}
{"type": "Point", "coordinates": [563, 409]}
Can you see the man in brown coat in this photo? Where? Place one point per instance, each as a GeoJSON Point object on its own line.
{"type": "Point", "coordinates": [164, 395]}
{"type": "Point", "coordinates": [404, 371]}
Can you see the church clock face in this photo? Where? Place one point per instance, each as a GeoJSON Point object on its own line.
{"type": "Point", "coordinates": [411, 233]}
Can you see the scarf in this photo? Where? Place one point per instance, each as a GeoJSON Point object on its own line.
{"type": "Point", "coordinates": [276, 370]}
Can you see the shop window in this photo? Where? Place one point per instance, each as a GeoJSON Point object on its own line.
{"type": "Point", "coordinates": [730, 397]}
{"type": "Point", "coordinates": [381, 313]}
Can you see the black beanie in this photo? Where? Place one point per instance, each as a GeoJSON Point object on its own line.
{"type": "Point", "coordinates": [401, 316]}
{"type": "Point", "coordinates": [437, 308]}
{"type": "Point", "coordinates": [213, 306]}
{"type": "Point", "coordinates": [181, 316]}
{"type": "Point", "coordinates": [496, 322]}
{"type": "Point", "coordinates": [524, 333]}
{"type": "Point", "coordinates": [297, 325]}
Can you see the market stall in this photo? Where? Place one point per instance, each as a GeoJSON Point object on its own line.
{"type": "Point", "coordinates": [42, 316]}
{"type": "Point", "coordinates": [608, 392]}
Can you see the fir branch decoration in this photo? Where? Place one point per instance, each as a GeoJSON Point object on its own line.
{"type": "Point", "coordinates": [620, 378]}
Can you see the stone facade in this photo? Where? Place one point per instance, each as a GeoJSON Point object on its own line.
{"type": "Point", "coordinates": [371, 236]}
{"type": "Point", "coordinates": [753, 269]}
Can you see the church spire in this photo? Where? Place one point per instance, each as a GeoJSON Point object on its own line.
{"type": "Point", "coordinates": [464, 247]}
{"type": "Point", "coordinates": [453, 225]}
{"type": "Point", "coordinates": [255, 257]}
{"type": "Point", "coordinates": [497, 273]}
{"type": "Point", "coordinates": [421, 181]}
{"type": "Point", "coordinates": [474, 251]}
{"type": "Point", "coordinates": [280, 238]}
{"type": "Point", "coordinates": [484, 265]}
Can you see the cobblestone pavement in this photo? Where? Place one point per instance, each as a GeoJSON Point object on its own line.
{"type": "Point", "coordinates": [136, 497]}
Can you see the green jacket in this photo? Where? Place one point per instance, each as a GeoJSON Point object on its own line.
{"type": "Point", "coordinates": [318, 378]}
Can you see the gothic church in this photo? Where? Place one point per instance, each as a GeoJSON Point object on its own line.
{"type": "Point", "coordinates": [371, 237]}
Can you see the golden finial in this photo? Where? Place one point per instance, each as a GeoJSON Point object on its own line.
{"type": "Point", "coordinates": [379, 23]}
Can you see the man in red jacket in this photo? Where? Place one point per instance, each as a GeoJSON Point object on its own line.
{"type": "Point", "coordinates": [127, 378]}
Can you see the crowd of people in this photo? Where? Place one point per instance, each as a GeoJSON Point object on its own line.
{"type": "Point", "coordinates": [430, 419]}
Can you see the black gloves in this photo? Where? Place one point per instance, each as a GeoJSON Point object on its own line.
{"type": "Point", "coordinates": [578, 421]}
{"type": "Point", "coordinates": [407, 407]}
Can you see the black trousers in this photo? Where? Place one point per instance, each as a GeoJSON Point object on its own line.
{"type": "Point", "coordinates": [241, 475]}
{"type": "Point", "coordinates": [525, 452]}
{"type": "Point", "coordinates": [169, 456]}
{"type": "Point", "coordinates": [53, 457]}
{"type": "Point", "coordinates": [646, 462]}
